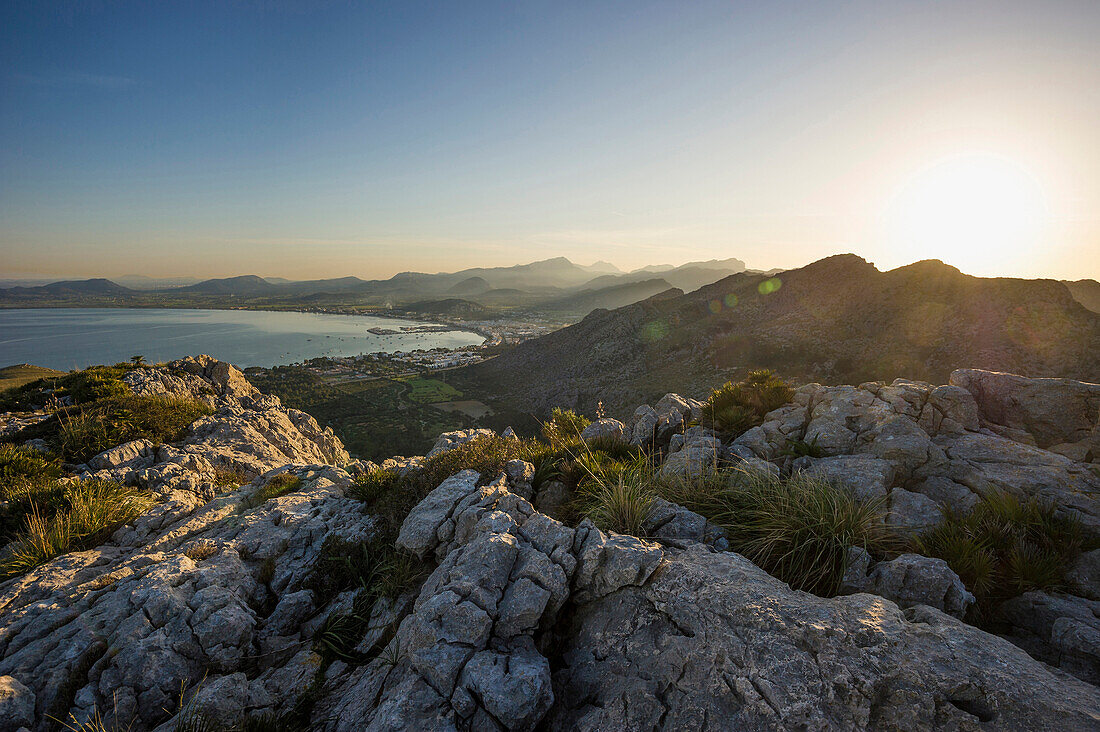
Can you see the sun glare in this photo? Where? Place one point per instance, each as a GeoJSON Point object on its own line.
{"type": "Point", "coordinates": [982, 213]}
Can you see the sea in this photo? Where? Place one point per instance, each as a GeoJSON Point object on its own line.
{"type": "Point", "coordinates": [72, 338]}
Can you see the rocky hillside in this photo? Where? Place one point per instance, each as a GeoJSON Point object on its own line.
{"type": "Point", "coordinates": [265, 582]}
{"type": "Point", "coordinates": [838, 320]}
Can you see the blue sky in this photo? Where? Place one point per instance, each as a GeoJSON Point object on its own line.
{"type": "Point", "coordinates": [333, 138]}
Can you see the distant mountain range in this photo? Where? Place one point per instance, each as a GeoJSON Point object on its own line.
{"type": "Point", "coordinates": [838, 320]}
{"type": "Point", "coordinates": [558, 281]}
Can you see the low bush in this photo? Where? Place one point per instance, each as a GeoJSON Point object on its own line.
{"type": "Point", "coordinates": [373, 485]}
{"type": "Point", "coordinates": [734, 408]}
{"type": "Point", "coordinates": [79, 516]}
{"type": "Point", "coordinates": [564, 428]}
{"type": "Point", "coordinates": [1006, 546]}
{"type": "Point", "coordinates": [81, 432]}
{"type": "Point", "coordinates": [797, 448]}
{"type": "Point", "coordinates": [21, 464]}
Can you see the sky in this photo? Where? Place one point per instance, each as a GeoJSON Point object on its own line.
{"type": "Point", "coordinates": [307, 140]}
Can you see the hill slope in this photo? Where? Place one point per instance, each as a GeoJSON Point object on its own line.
{"type": "Point", "coordinates": [836, 320]}
{"type": "Point", "coordinates": [616, 296]}
{"type": "Point", "coordinates": [97, 287]}
{"type": "Point", "coordinates": [1086, 292]}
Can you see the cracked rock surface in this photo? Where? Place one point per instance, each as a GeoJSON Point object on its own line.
{"type": "Point", "coordinates": [526, 623]}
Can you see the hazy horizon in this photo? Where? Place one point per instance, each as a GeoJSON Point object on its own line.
{"type": "Point", "coordinates": [312, 140]}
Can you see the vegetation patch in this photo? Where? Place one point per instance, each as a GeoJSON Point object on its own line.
{"type": "Point", "coordinates": [21, 374]}
{"type": "Point", "coordinates": [86, 385]}
{"type": "Point", "coordinates": [734, 408]}
{"type": "Point", "coordinates": [564, 428]}
{"type": "Point", "coordinates": [72, 517]}
{"type": "Point", "coordinates": [277, 485]}
{"type": "Point", "coordinates": [797, 529]}
{"type": "Point", "coordinates": [427, 391]}
{"type": "Point", "coordinates": [1005, 547]}
{"type": "Point", "coordinates": [378, 569]}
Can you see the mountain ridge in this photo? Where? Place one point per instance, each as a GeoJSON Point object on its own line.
{"type": "Point", "coordinates": [839, 320]}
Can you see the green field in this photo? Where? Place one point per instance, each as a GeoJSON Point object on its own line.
{"type": "Point", "coordinates": [429, 391]}
{"type": "Point", "coordinates": [13, 376]}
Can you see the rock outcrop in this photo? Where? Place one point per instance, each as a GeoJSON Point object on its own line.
{"type": "Point", "coordinates": [527, 623]}
{"type": "Point", "coordinates": [921, 450]}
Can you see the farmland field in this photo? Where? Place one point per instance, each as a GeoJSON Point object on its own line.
{"type": "Point", "coordinates": [428, 391]}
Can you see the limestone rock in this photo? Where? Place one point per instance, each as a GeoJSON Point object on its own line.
{"type": "Point", "coordinates": [607, 429]}
{"type": "Point", "coordinates": [450, 440]}
{"type": "Point", "coordinates": [868, 478]}
{"type": "Point", "coordinates": [1062, 630]}
{"type": "Point", "coordinates": [911, 512]}
{"type": "Point", "coordinates": [643, 425]}
{"type": "Point", "coordinates": [16, 704]}
{"type": "Point", "coordinates": [1084, 575]}
{"type": "Point", "coordinates": [910, 580]}
{"type": "Point", "coordinates": [1052, 410]}
{"type": "Point", "coordinates": [712, 642]}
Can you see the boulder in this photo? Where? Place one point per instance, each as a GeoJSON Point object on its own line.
{"type": "Point", "coordinates": [697, 455]}
{"type": "Point", "coordinates": [713, 642]}
{"type": "Point", "coordinates": [908, 580]}
{"type": "Point", "coordinates": [605, 429]}
{"type": "Point", "coordinates": [134, 454]}
{"type": "Point", "coordinates": [450, 440]}
{"type": "Point", "coordinates": [16, 704]}
{"type": "Point", "coordinates": [1062, 630]}
{"type": "Point", "coordinates": [1051, 410]}
{"type": "Point", "coordinates": [1084, 576]}
{"type": "Point", "coordinates": [643, 425]}
{"type": "Point", "coordinates": [867, 478]}
{"type": "Point", "coordinates": [675, 525]}
{"type": "Point", "coordinates": [910, 512]}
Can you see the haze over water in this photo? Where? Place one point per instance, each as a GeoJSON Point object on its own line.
{"type": "Point", "coordinates": [67, 338]}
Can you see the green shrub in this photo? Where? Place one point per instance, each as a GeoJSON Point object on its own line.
{"type": "Point", "coordinates": [800, 448]}
{"type": "Point", "coordinates": [84, 514]}
{"type": "Point", "coordinates": [79, 433]}
{"type": "Point", "coordinates": [798, 529]}
{"type": "Point", "coordinates": [564, 428]}
{"type": "Point", "coordinates": [276, 485]}
{"type": "Point", "coordinates": [20, 464]}
{"type": "Point", "coordinates": [1007, 546]}
{"type": "Point", "coordinates": [373, 485]}
{"type": "Point", "coordinates": [734, 408]}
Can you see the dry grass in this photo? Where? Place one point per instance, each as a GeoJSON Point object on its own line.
{"type": "Point", "coordinates": [90, 511]}
{"type": "Point", "coordinates": [200, 550]}
{"type": "Point", "coordinates": [798, 529]}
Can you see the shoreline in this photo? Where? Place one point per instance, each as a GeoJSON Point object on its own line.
{"type": "Point", "coordinates": [390, 315]}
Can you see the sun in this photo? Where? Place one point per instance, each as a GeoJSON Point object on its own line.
{"type": "Point", "coordinates": [982, 213]}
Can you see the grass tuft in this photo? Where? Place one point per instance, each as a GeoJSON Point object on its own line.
{"type": "Point", "coordinates": [86, 513]}
{"type": "Point", "coordinates": [798, 529]}
{"type": "Point", "coordinates": [276, 485]}
{"type": "Point", "coordinates": [1006, 546]}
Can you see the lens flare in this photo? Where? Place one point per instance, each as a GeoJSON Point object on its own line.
{"type": "Point", "coordinates": [769, 286]}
